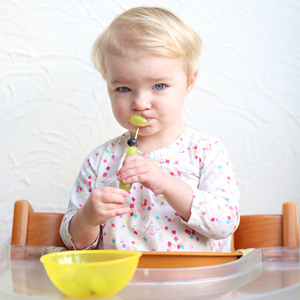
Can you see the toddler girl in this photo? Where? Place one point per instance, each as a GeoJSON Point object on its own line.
{"type": "Point", "coordinates": [184, 195]}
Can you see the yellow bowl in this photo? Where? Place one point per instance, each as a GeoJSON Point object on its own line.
{"type": "Point", "coordinates": [91, 273]}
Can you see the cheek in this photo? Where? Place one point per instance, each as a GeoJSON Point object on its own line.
{"type": "Point", "coordinates": [120, 113]}
{"type": "Point", "coordinates": [168, 113]}
{"type": "Point", "coordinates": [172, 106]}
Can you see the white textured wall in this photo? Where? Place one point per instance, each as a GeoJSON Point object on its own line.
{"type": "Point", "coordinates": [54, 108]}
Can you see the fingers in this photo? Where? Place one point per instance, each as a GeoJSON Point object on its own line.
{"type": "Point", "coordinates": [105, 203]}
{"type": "Point", "coordinates": [122, 211]}
{"type": "Point", "coordinates": [136, 169]}
{"type": "Point", "coordinates": [144, 171]}
{"type": "Point", "coordinates": [113, 191]}
{"type": "Point", "coordinates": [109, 195]}
{"type": "Point", "coordinates": [110, 213]}
{"type": "Point", "coordinates": [132, 165]}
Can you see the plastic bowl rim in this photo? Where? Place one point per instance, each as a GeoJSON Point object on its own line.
{"type": "Point", "coordinates": [135, 255]}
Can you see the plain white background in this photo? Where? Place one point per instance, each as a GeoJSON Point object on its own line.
{"type": "Point", "coordinates": [54, 108]}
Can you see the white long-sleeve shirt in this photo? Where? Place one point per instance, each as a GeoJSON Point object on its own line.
{"type": "Point", "coordinates": [152, 223]}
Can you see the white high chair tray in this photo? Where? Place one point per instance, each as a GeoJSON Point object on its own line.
{"type": "Point", "coordinates": [267, 273]}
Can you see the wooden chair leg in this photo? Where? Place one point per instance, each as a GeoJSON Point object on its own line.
{"type": "Point", "coordinates": [290, 224]}
{"type": "Point", "coordinates": [20, 222]}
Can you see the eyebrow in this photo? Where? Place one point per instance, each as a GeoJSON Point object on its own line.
{"type": "Point", "coordinates": [118, 82]}
{"type": "Point", "coordinates": [155, 79]}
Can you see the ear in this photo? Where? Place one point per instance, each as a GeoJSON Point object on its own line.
{"type": "Point", "coordinates": [191, 82]}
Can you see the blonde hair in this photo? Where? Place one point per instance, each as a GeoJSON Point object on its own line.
{"type": "Point", "coordinates": [150, 30]}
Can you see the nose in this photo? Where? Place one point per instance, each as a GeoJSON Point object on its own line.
{"type": "Point", "coordinates": [141, 101]}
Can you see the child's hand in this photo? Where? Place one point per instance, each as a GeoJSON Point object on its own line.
{"type": "Point", "coordinates": [145, 171]}
{"type": "Point", "coordinates": [103, 204]}
{"type": "Point", "coordinates": [178, 193]}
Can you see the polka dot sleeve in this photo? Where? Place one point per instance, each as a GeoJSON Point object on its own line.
{"type": "Point", "coordinates": [84, 184]}
{"type": "Point", "coordinates": [215, 207]}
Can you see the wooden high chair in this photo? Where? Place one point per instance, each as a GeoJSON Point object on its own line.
{"type": "Point", "coordinates": [35, 228]}
{"type": "Point", "coordinates": [259, 231]}
{"type": "Point", "coordinates": [254, 231]}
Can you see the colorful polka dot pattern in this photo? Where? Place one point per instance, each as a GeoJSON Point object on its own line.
{"type": "Point", "coordinates": [152, 224]}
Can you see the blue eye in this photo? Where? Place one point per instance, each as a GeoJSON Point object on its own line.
{"type": "Point", "coordinates": [124, 89]}
{"type": "Point", "coordinates": [159, 86]}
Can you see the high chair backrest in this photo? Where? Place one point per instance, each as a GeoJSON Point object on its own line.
{"type": "Point", "coordinates": [254, 231]}
{"type": "Point", "coordinates": [259, 231]}
{"type": "Point", "coordinates": [35, 228]}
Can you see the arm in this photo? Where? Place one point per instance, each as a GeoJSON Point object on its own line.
{"type": "Point", "coordinates": [215, 208]}
{"type": "Point", "coordinates": [102, 204]}
{"type": "Point", "coordinates": [89, 208]}
{"type": "Point", "coordinates": [178, 193]}
{"type": "Point", "coordinates": [211, 208]}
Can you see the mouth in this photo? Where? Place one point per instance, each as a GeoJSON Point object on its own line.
{"type": "Point", "coordinates": [148, 121]}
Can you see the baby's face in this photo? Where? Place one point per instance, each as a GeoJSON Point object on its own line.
{"type": "Point", "coordinates": [153, 86]}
